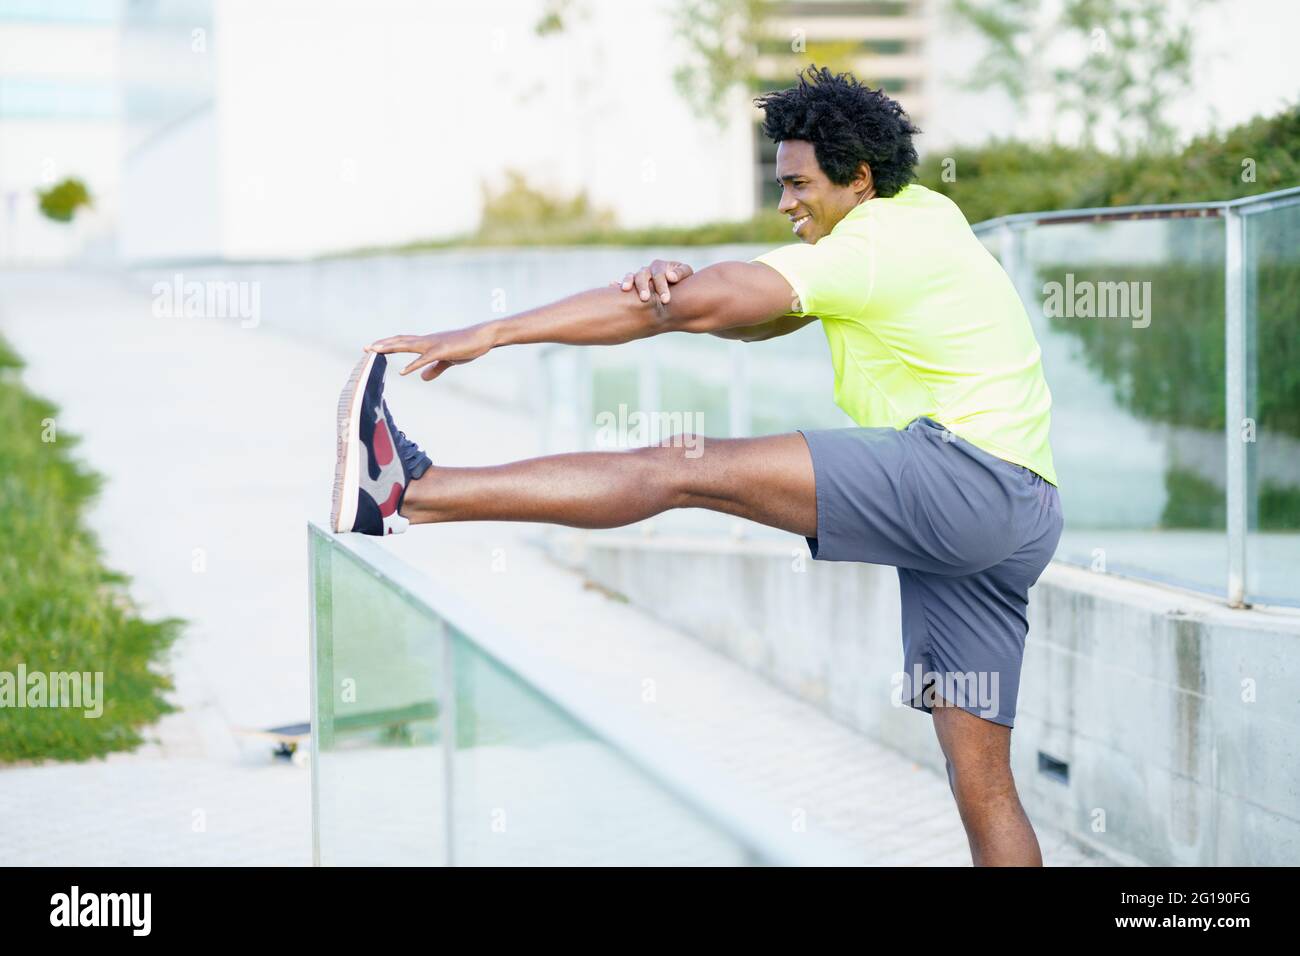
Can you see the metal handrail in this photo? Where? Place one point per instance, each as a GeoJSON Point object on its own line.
{"type": "Point", "coordinates": [694, 783]}
{"type": "Point", "coordinates": [1246, 205]}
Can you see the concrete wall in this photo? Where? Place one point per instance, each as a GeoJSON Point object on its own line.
{"type": "Point", "coordinates": [351, 302]}
{"type": "Point", "coordinates": [1177, 720]}
{"type": "Point", "coordinates": [1178, 717]}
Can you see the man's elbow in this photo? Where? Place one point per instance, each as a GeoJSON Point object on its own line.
{"type": "Point", "coordinates": [723, 321]}
{"type": "Point", "coordinates": [720, 298]}
{"type": "Point", "coordinates": [742, 334]}
{"type": "Point", "coordinates": [713, 312]}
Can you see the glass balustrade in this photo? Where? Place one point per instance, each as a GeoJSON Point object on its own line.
{"type": "Point", "coordinates": [1131, 309]}
{"type": "Point", "coordinates": [439, 740]}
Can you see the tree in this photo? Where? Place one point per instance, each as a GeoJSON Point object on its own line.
{"type": "Point", "coordinates": [61, 201]}
{"type": "Point", "coordinates": [1120, 62]}
{"type": "Point", "coordinates": [556, 16]}
{"type": "Point", "coordinates": [721, 39]}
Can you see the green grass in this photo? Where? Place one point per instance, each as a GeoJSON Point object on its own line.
{"type": "Point", "coordinates": [61, 610]}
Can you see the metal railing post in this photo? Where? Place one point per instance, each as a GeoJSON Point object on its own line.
{"type": "Point", "coordinates": [1235, 402]}
{"type": "Point", "coordinates": [584, 398]}
{"type": "Point", "coordinates": [313, 583]}
{"type": "Point", "coordinates": [447, 712]}
{"type": "Point", "coordinates": [739, 411]}
{"type": "Point", "coordinates": [1007, 246]}
{"type": "Point", "coordinates": [546, 411]}
{"type": "Point", "coordinates": [1011, 243]}
{"type": "Point", "coordinates": [647, 390]}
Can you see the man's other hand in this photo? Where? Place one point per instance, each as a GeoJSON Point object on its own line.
{"type": "Point", "coordinates": [658, 275]}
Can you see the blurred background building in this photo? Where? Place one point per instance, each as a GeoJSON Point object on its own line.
{"type": "Point", "coordinates": [60, 115]}
{"type": "Point", "coordinates": [226, 129]}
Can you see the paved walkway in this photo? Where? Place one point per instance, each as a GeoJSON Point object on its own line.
{"type": "Point", "coordinates": [218, 445]}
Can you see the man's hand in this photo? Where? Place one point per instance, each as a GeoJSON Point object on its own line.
{"type": "Point", "coordinates": [657, 275]}
{"type": "Point", "coordinates": [438, 351]}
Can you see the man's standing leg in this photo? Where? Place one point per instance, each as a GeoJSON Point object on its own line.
{"type": "Point", "coordinates": [978, 752]}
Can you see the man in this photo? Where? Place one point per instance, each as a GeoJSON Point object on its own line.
{"type": "Point", "coordinates": [949, 478]}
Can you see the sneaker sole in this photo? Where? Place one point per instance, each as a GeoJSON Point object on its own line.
{"type": "Point", "coordinates": [343, 509]}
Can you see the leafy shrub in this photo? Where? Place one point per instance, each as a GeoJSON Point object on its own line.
{"type": "Point", "coordinates": [61, 201]}
{"type": "Point", "coordinates": [1009, 177]}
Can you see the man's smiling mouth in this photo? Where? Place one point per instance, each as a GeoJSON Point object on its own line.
{"type": "Point", "coordinates": [798, 223]}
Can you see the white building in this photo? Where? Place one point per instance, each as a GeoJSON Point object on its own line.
{"type": "Point", "coordinates": [334, 126]}
{"type": "Point", "coordinates": [59, 118]}
{"type": "Point", "coordinates": [287, 128]}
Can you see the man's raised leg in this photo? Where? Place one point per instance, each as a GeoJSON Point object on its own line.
{"type": "Point", "coordinates": [768, 480]}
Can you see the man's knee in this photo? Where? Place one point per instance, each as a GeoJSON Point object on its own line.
{"type": "Point", "coordinates": [684, 445]}
{"type": "Point", "coordinates": [661, 470]}
{"type": "Point", "coordinates": [672, 462]}
{"type": "Point", "coordinates": [976, 751]}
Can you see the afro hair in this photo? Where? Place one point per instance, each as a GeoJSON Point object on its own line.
{"type": "Point", "coordinates": [848, 123]}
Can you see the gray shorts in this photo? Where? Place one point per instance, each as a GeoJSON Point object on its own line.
{"type": "Point", "coordinates": [969, 534]}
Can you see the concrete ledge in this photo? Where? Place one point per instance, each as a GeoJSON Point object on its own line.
{"type": "Point", "coordinates": [1154, 724]}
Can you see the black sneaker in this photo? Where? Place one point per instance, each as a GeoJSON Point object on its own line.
{"type": "Point", "coordinates": [375, 461]}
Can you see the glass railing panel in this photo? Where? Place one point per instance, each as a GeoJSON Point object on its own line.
{"type": "Point", "coordinates": [991, 237]}
{"type": "Point", "coordinates": [613, 386]}
{"type": "Point", "coordinates": [680, 380]}
{"type": "Point", "coordinates": [378, 748]}
{"type": "Point", "coordinates": [792, 383]}
{"type": "Point", "coordinates": [532, 786]}
{"type": "Point", "coordinates": [1130, 318]}
{"type": "Point", "coordinates": [429, 749]}
{"type": "Point", "coordinates": [695, 378]}
{"type": "Point", "coordinates": [651, 390]}
{"type": "Point", "coordinates": [1272, 433]}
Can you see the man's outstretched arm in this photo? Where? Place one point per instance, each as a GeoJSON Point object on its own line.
{"type": "Point", "coordinates": [727, 295]}
{"type": "Point", "coordinates": [661, 274]}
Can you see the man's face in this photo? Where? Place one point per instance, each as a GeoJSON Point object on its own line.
{"type": "Point", "coordinates": [813, 203]}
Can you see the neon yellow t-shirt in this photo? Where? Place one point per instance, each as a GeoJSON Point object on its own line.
{"type": "Point", "coordinates": [922, 320]}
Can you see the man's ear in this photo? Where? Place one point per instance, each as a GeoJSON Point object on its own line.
{"type": "Point", "coordinates": [864, 176]}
